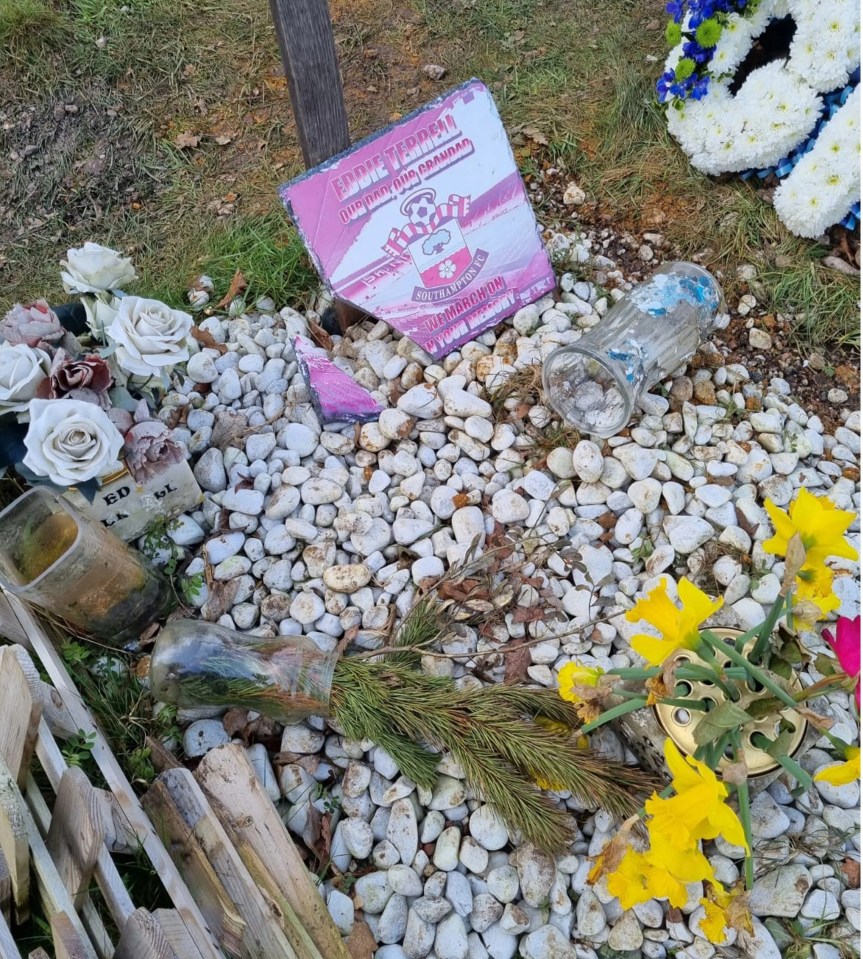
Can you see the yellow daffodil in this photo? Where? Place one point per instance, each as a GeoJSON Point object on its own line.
{"type": "Point", "coordinates": [819, 522]}
{"type": "Point", "coordinates": [575, 674]}
{"type": "Point", "coordinates": [814, 593]}
{"type": "Point", "coordinates": [698, 810]}
{"type": "Point", "coordinates": [724, 909]}
{"type": "Point", "coordinates": [842, 773]}
{"type": "Point", "coordinates": [660, 873]}
{"type": "Point", "coordinates": [679, 627]}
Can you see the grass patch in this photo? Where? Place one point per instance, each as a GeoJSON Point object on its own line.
{"type": "Point", "coordinates": [27, 24]}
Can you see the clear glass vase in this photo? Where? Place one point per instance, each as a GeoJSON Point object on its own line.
{"type": "Point", "coordinates": [71, 566]}
{"type": "Point", "coordinates": [595, 382]}
{"type": "Point", "coordinates": [201, 664]}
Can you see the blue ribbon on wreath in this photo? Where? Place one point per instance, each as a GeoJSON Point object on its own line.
{"type": "Point", "coordinates": [831, 103]}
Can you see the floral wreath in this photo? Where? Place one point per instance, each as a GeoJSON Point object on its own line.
{"type": "Point", "coordinates": [781, 110]}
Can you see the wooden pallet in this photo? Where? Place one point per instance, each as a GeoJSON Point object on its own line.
{"type": "Point", "coordinates": [238, 886]}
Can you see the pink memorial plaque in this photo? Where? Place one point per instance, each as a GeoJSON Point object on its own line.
{"type": "Point", "coordinates": [427, 225]}
{"type": "Point", "coordinates": [335, 396]}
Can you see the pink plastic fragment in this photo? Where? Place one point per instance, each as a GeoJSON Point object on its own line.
{"type": "Point", "coordinates": [335, 396]}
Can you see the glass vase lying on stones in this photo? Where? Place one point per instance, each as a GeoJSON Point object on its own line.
{"type": "Point", "coordinates": [512, 742]}
{"type": "Point", "coordinates": [595, 382]}
{"type": "Point", "coordinates": [73, 568]}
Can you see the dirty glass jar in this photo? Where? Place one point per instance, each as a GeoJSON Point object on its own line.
{"type": "Point", "coordinates": [74, 568]}
{"type": "Point", "coordinates": [595, 382]}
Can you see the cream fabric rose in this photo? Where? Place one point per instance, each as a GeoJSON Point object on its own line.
{"type": "Point", "coordinates": [70, 441]}
{"type": "Point", "coordinates": [150, 336]}
{"type": "Point", "coordinates": [100, 315]}
{"type": "Point", "coordinates": [22, 370]}
{"type": "Point", "coordinates": [92, 268]}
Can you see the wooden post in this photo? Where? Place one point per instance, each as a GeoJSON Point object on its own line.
{"type": "Point", "coordinates": [8, 949]}
{"type": "Point", "coordinates": [312, 70]}
{"type": "Point", "coordinates": [143, 938]}
{"type": "Point", "coordinates": [308, 49]}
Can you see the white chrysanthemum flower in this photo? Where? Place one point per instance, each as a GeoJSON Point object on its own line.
{"type": "Point", "coordinates": [822, 188]}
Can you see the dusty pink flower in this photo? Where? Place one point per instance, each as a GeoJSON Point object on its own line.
{"type": "Point", "coordinates": [35, 324]}
{"type": "Point", "coordinates": [149, 447]}
{"type": "Point", "coordinates": [68, 374]}
{"type": "Point", "coordinates": [846, 645]}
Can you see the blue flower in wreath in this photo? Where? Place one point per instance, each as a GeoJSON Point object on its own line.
{"type": "Point", "coordinates": [675, 8]}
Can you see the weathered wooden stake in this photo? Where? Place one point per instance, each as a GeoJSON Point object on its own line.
{"type": "Point", "coordinates": [308, 48]}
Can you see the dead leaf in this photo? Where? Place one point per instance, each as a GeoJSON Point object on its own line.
{"type": "Point", "coordinates": [515, 663]}
{"type": "Point", "coordinates": [185, 141]}
{"type": "Point", "coordinates": [535, 134]}
{"type": "Point", "coordinates": [320, 336]}
{"type": "Point", "coordinates": [528, 614]}
{"type": "Point", "coordinates": [851, 870]}
{"type": "Point", "coordinates": [460, 500]}
{"type": "Point", "coordinates": [235, 720]}
{"type": "Point", "coordinates": [238, 284]}
{"type": "Point", "coordinates": [205, 338]}
{"type": "Point", "coordinates": [361, 944]}
{"type": "Point", "coordinates": [736, 773]}
{"type": "Point", "coordinates": [816, 719]}
{"type": "Point", "coordinates": [223, 140]}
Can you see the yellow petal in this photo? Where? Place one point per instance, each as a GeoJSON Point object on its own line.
{"type": "Point", "coordinates": [654, 650]}
{"type": "Point", "coordinates": [841, 774]}
{"type": "Point", "coordinates": [565, 682]}
{"type": "Point", "coordinates": [685, 771]}
{"type": "Point", "coordinates": [713, 923]}
{"type": "Point", "coordinates": [696, 602]}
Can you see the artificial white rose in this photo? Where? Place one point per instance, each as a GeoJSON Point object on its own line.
{"type": "Point", "coordinates": [22, 369]}
{"type": "Point", "coordinates": [70, 441]}
{"type": "Point", "coordinates": [149, 335]}
{"type": "Point", "coordinates": [92, 268]}
{"type": "Point", "coordinates": [100, 315]}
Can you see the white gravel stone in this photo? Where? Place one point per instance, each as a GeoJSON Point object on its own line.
{"type": "Point", "coordinates": [402, 830]}
{"type": "Point", "coordinates": [488, 829]}
{"type": "Point", "coordinates": [202, 736]}
{"type": "Point", "coordinates": [508, 507]}
{"type": "Point", "coordinates": [451, 938]}
{"type": "Point", "coordinates": [587, 461]}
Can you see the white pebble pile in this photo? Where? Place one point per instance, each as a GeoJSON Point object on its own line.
{"type": "Point", "coordinates": [317, 530]}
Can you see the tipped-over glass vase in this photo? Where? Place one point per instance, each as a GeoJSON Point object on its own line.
{"type": "Point", "coordinates": [71, 566]}
{"type": "Point", "coordinates": [201, 664]}
{"type": "Point", "coordinates": [595, 382]}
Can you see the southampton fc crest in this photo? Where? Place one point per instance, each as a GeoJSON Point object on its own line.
{"type": "Point", "coordinates": [434, 239]}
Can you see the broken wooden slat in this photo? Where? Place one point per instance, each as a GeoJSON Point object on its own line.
{"type": "Point", "coordinates": [263, 935]}
{"type": "Point", "coordinates": [176, 933]}
{"type": "Point", "coordinates": [20, 712]}
{"type": "Point", "coordinates": [69, 942]}
{"type": "Point", "coordinates": [142, 938]}
{"type": "Point", "coordinates": [109, 880]}
{"type": "Point", "coordinates": [256, 829]}
{"type": "Point", "coordinates": [89, 914]}
{"type": "Point", "coordinates": [14, 843]}
{"type": "Point", "coordinates": [10, 625]}
{"type": "Point", "coordinates": [77, 833]}
{"type": "Point", "coordinates": [118, 783]}
{"type": "Point", "coordinates": [38, 954]}
{"type": "Point", "coordinates": [205, 885]}
{"type": "Point", "coordinates": [53, 711]}
{"type": "Point", "coordinates": [8, 948]}
{"type": "Point", "coordinates": [53, 894]}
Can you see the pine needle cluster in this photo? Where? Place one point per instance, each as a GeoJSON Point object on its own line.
{"type": "Point", "coordinates": [506, 738]}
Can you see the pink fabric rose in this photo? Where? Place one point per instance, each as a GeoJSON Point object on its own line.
{"type": "Point", "coordinates": [69, 374]}
{"type": "Point", "coordinates": [149, 447]}
{"type": "Point", "coordinates": [35, 324]}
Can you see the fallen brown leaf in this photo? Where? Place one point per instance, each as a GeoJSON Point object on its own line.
{"type": "Point", "coordinates": [320, 336]}
{"type": "Point", "coordinates": [238, 284]}
{"type": "Point", "coordinates": [185, 141]}
{"type": "Point", "coordinates": [515, 663]}
{"type": "Point", "coordinates": [205, 338]}
{"type": "Point", "coordinates": [851, 870]}
{"type": "Point", "coordinates": [361, 944]}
